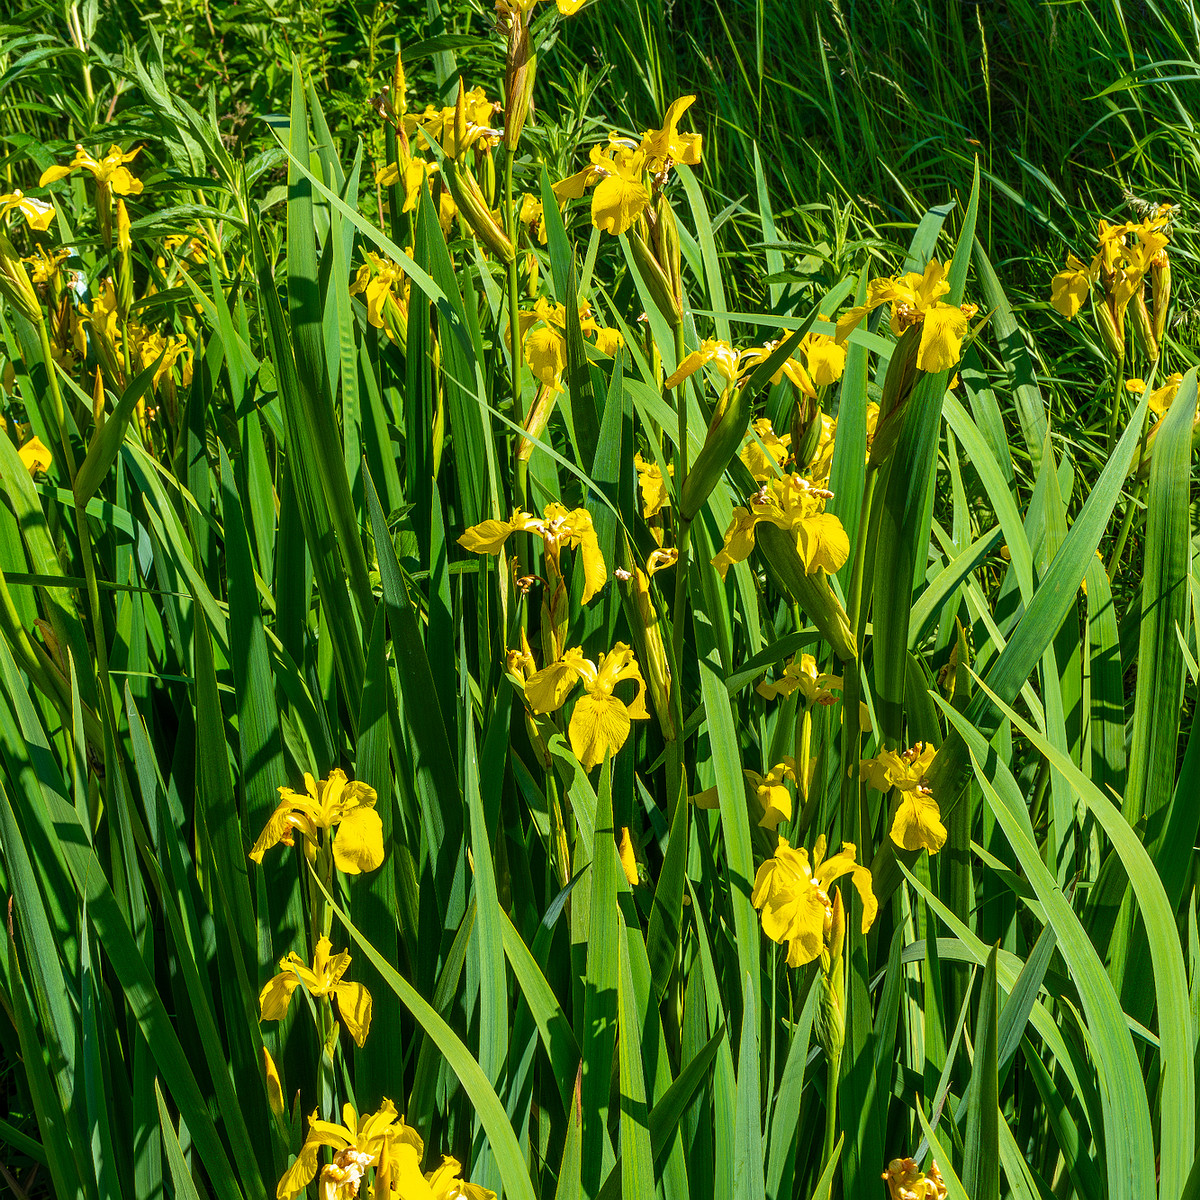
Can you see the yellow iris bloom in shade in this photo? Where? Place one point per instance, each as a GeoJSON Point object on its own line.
{"type": "Point", "coordinates": [109, 171]}
{"type": "Point", "coordinates": [916, 300]}
{"type": "Point", "coordinates": [906, 1181]}
{"type": "Point", "coordinates": [1069, 288]}
{"type": "Point", "coordinates": [358, 1144]}
{"type": "Point", "coordinates": [794, 897]}
{"type": "Point", "coordinates": [37, 213]}
{"type": "Point", "coordinates": [798, 508]}
{"type": "Point", "coordinates": [655, 496]}
{"type": "Point", "coordinates": [35, 456]}
{"type": "Point", "coordinates": [765, 453]}
{"type": "Point", "coordinates": [557, 528]}
{"type": "Point", "coordinates": [411, 171]}
{"type": "Point", "coordinates": [532, 217]}
{"type": "Point", "coordinates": [773, 793]}
{"type": "Point", "coordinates": [322, 979]}
{"type": "Point", "coordinates": [801, 673]}
{"type": "Point", "coordinates": [334, 803]}
{"type": "Point", "coordinates": [601, 721]}
{"type": "Point", "coordinates": [379, 280]}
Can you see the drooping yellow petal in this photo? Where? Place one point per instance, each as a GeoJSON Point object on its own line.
{"type": "Point", "coordinates": [354, 1003]}
{"type": "Point", "coordinates": [599, 726]}
{"type": "Point", "coordinates": [546, 354]}
{"type": "Point", "coordinates": [918, 822]}
{"type": "Point", "coordinates": [942, 333]}
{"type": "Point", "coordinates": [54, 174]}
{"type": "Point", "coordinates": [300, 1174]}
{"type": "Point", "coordinates": [276, 997]}
{"type": "Point", "coordinates": [358, 842]}
{"type": "Point", "coordinates": [844, 863]}
{"type": "Point", "coordinates": [739, 540]}
{"type": "Point", "coordinates": [792, 909]}
{"type": "Point", "coordinates": [274, 1086]}
{"type": "Point", "coordinates": [1069, 288]}
{"type": "Point", "coordinates": [822, 543]}
{"type": "Point", "coordinates": [595, 573]}
{"type": "Point", "coordinates": [617, 202]}
{"type": "Point", "coordinates": [547, 691]}
{"type": "Point", "coordinates": [574, 186]}
{"type": "Point", "coordinates": [826, 359]}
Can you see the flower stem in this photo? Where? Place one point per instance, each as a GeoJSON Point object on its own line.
{"type": "Point", "coordinates": [1114, 562]}
{"type": "Point", "coordinates": [852, 688]}
{"type": "Point", "coordinates": [520, 468]}
{"type": "Point", "coordinates": [833, 1063]}
{"type": "Point", "coordinates": [681, 566]}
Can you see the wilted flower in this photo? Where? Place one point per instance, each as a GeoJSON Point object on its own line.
{"type": "Point", "coordinates": [906, 1181]}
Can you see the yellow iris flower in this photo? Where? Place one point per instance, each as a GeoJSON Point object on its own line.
{"type": "Point", "coordinates": [816, 687]}
{"type": "Point", "coordinates": [532, 217]}
{"type": "Point", "coordinates": [1162, 397]}
{"type": "Point", "coordinates": [544, 341]}
{"type": "Point", "coordinates": [793, 896]}
{"type": "Point", "coordinates": [411, 171]}
{"type": "Point", "coordinates": [917, 824]}
{"type": "Point", "coordinates": [906, 1181]}
{"type": "Point", "coordinates": [445, 1182]}
{"type": "Point", "coordinates": [323, 979]}
{"type": "Point", "coordinates": [766, 453]}
{"type": "Point", "coordinates": [773, 793]}
{"type": "Point", "coordinates": [618, 170]}
{"type": "Point", "coordinates": [336, 804]}
{"type": "Point", "coordinates": [916, 300]}
{"type": "Point", "coordinates": [358, 1144]}
{"type": "Point", "coordinates": [601, 721]}
{"type": "Point", "coordinates": [109, 171]}
{"type": "Point", "coordinates": [797, 507]}
{"type": "Point", "coordinates": [1070, 287]}
{"type": "Point", "coordinates": [557, 528]}
{"type": "Point", "coordinates": [655, 496]}
{"type": "Point", "coordinates": [380, 280]}
{"type": "Point", "coordinates": [46, 268]}
{"type": "Point", "coordinates": [37, 213]}
{"type": "Point", "coordinates": [35, 456]}
{"type": "Point", "coordinates": [456, 138]}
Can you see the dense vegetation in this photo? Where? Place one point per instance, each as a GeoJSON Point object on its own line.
{"type": "Point", "coordinates": [598, 599]}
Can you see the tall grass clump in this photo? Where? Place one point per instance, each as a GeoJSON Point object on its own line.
{"type": "Point", "coordinates": [539, 656]}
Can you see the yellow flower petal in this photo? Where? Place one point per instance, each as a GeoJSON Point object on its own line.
{"type": "Point", "coordinates": [358, 843]}
{"type": "Point", "coordinates": [599, 726]}
{"type": "Point", "coordinates": [35, 456]}
{"type": "Point", "coordinates": [617, 202]}
{"type": "Point", "coordinates": [822, 543]}
{"type": "Point", "coordinates": [354, 1003]}
{"type": "Point", "coordinates": [487, 537]}
{"type": "Point", "coordinates": [918, 822]}
{"type": "Point", "coordinates": [274, 1086]}
{"type": "Point", "coordinates": [547, 691]}
{"type": "Point", "coordinates": [739, 540]}
{"type": "Point", "coordinates": [595, 573]}
{"type": "Point", "coordinates": [627, 857]}
{"type": "Point", "coordinates": [546, 354]}
{"type": "Point", "coordinates": [942, 333]}
{"type": "Point", "coordinates": [274, 999]}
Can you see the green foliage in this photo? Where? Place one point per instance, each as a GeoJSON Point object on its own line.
{"type": "Point", "coordinates": [257, 475]}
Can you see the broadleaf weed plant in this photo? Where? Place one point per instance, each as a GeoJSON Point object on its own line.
{"type": "Point", "coordinates": [662, 671]}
